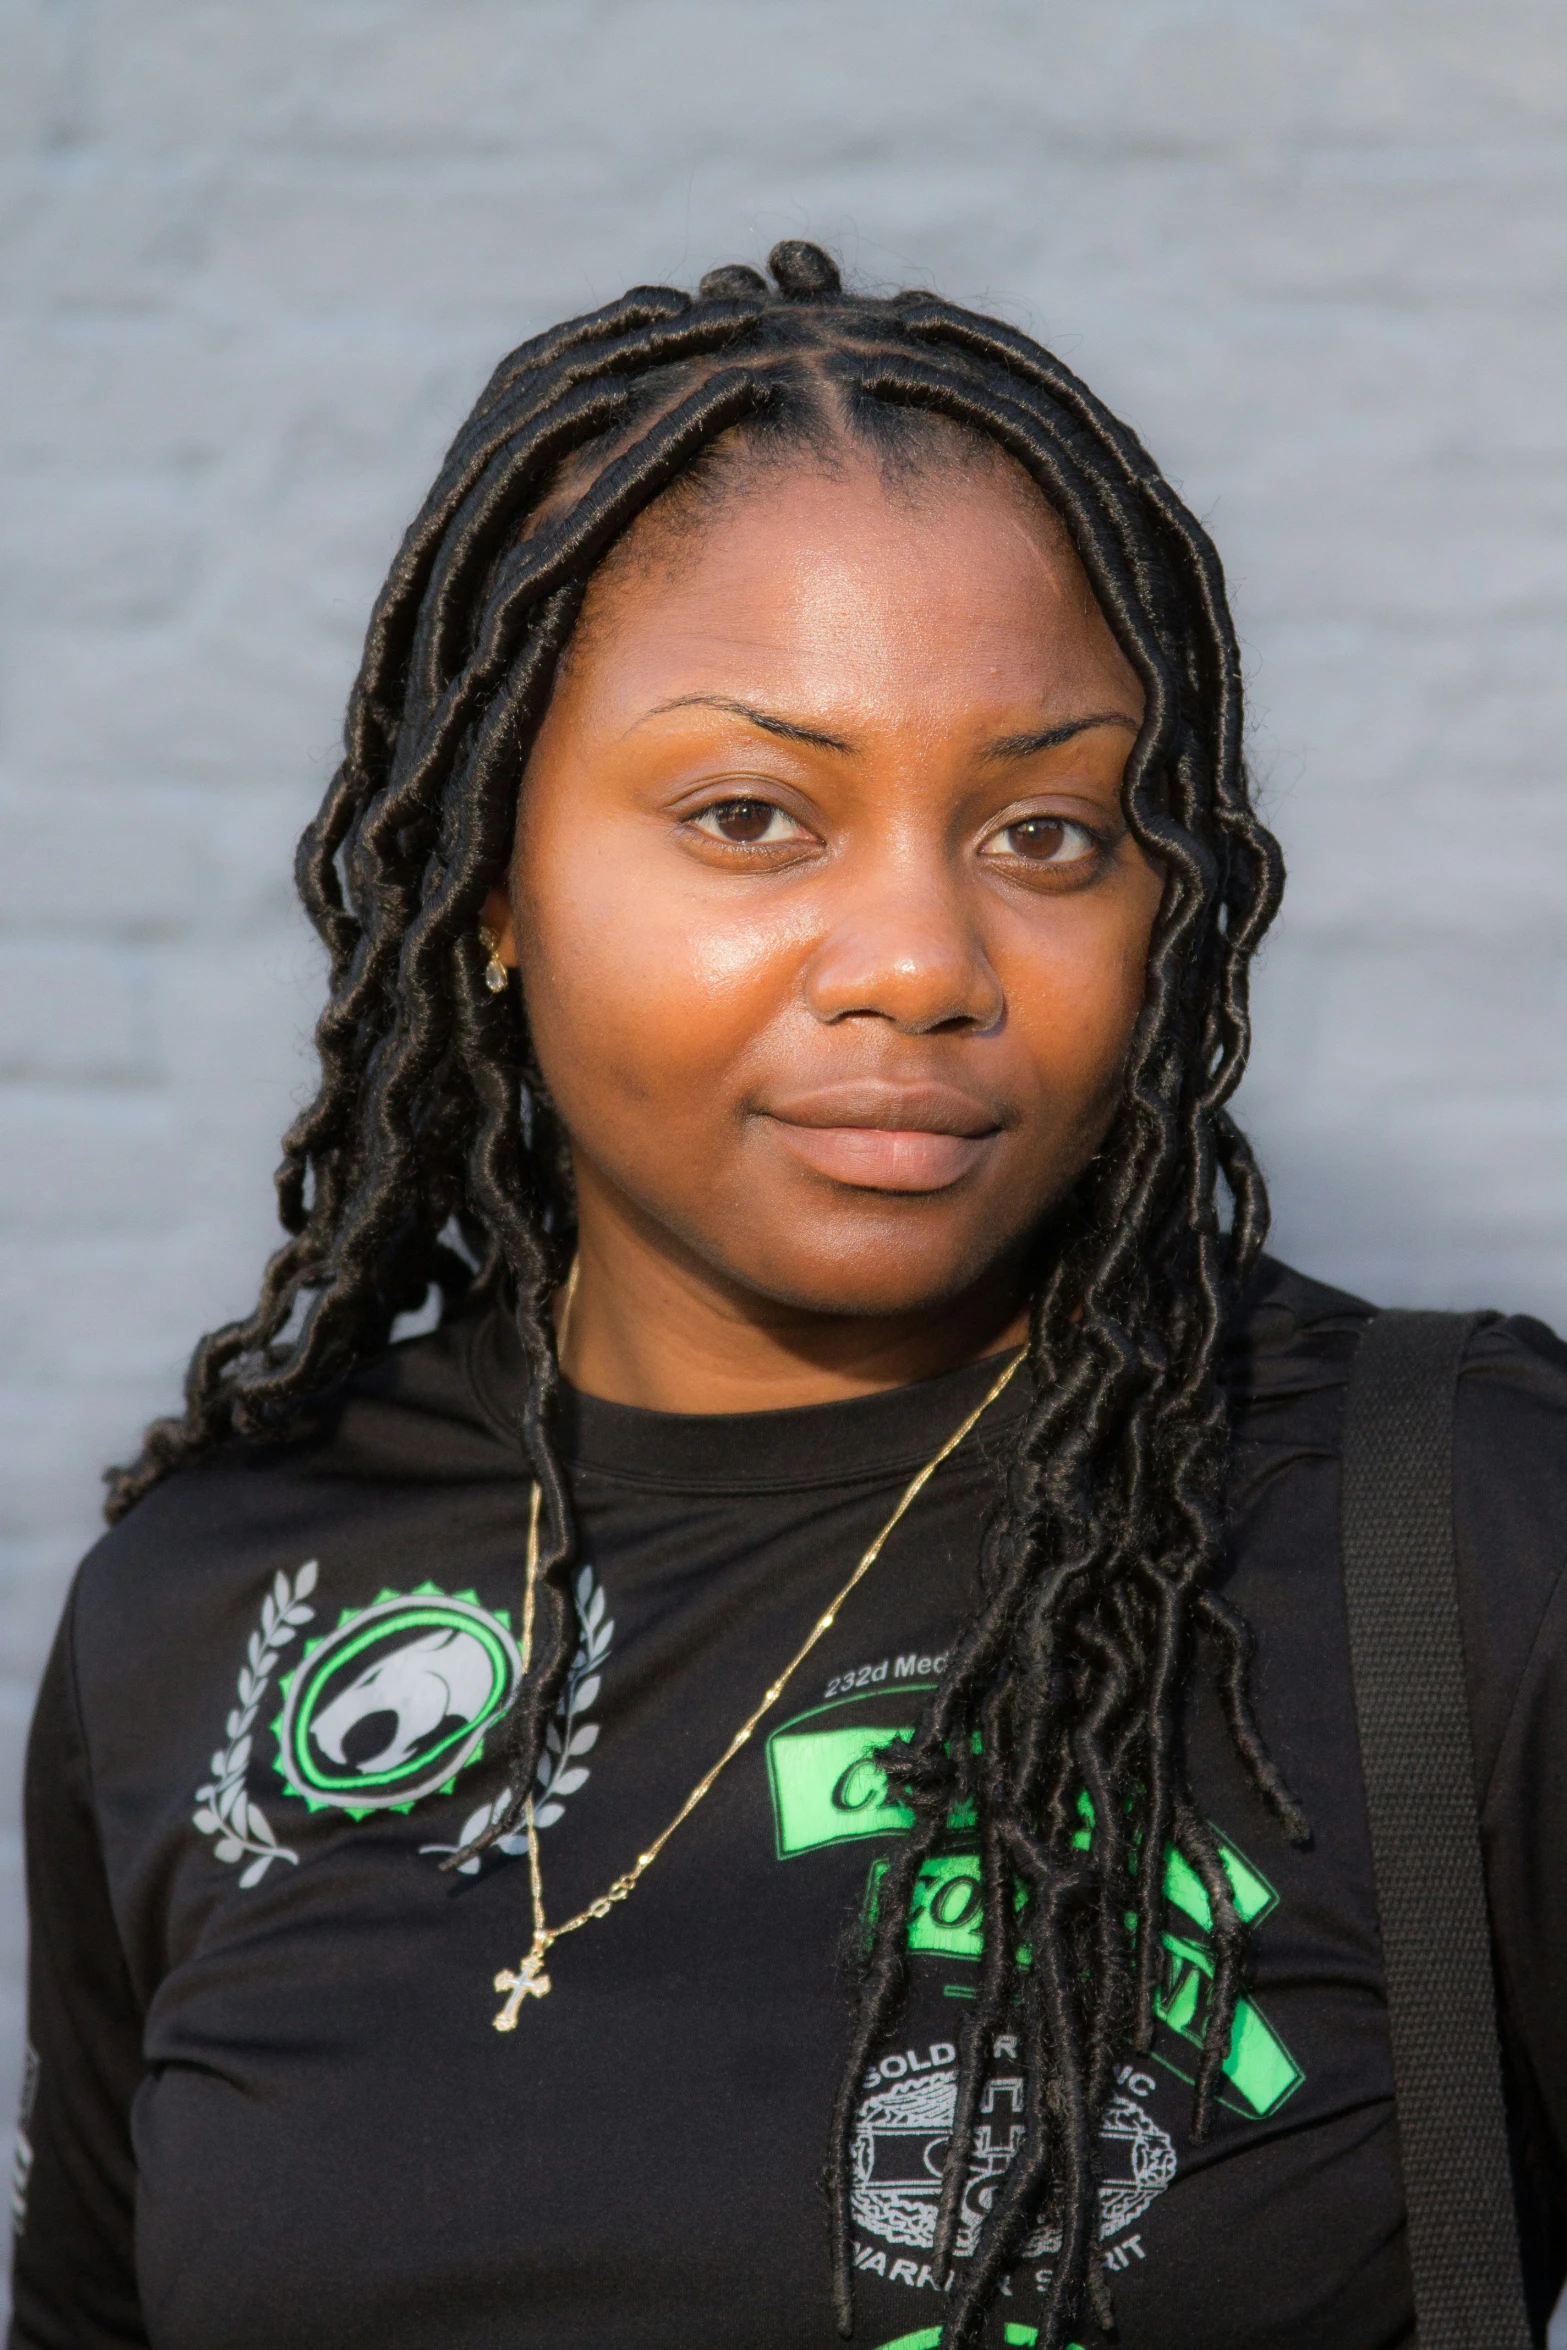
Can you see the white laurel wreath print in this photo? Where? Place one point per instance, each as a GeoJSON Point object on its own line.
{"type": "Point", "coordinates": [223, 1809]}
{"type": "Point", "coordinates": [560, 1773]}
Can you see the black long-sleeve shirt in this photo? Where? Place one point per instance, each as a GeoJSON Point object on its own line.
{"type": "Point", "coordinates": [266, 2105]}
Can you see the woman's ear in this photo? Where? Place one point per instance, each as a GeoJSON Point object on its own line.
{"type": "Point", "coordinates": [496, 919]}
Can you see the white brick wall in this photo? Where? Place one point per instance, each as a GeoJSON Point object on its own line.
{"type": "Point", "coordinates": [257, 259]}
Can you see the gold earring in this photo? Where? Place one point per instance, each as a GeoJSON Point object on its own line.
{"type": "Point", "coordinates": [494, 969]}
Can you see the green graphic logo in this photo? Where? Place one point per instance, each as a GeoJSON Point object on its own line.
{"type": "Point", "coordinates": [946, 1923]}
{"type": "Point", "coordinates": [392, 1705]}
{"type": "Point", "coordinates": [929, 2338]}
{"type": "Point", "coordinates": [827, 1790]}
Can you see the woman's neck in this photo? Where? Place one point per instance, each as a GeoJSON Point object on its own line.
{"type": "Point", "coordinates": [652, 1325]}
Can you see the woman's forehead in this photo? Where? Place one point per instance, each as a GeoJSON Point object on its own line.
{"type": "Point", "coordinates": [842, 582]}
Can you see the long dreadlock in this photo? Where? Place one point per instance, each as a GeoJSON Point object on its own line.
{"type": "Point", "coordinates": [431, 1154]}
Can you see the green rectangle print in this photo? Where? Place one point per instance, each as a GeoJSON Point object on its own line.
{"type": "Point", "coordinates": [827, 1790]}
{"type": "Point", "coordinates": [1259, 2067]}
{"type": "Point", "coordinates": [929, 2338]}
{"type": "Point", "coordinates": [946, 1915]}
{"type": "Point", "coordinates": [946, 1921]}
{"type": "Point", "coordinates": [1254, 1896]}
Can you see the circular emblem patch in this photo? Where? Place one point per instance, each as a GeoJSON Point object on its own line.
{"type": "Point", "coordinates": [395, 1703]}
{"type": "Point", "coordinates": [900, 2146]}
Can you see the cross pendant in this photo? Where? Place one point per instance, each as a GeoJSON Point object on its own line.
{"type": "Point", "coordinates": [529, 1982]}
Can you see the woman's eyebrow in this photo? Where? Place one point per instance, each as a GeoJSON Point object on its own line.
{"type": "Point", "coordinates": [1022, 746]}
{"type": "Point", "coordinates": [764, 719]}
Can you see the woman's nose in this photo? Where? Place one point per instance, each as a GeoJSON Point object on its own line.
{"type": "Point", "coordinates": [908, 954]}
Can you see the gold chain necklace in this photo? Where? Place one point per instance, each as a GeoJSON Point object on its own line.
{"type": "Point", "coordinates": [530, 1981]}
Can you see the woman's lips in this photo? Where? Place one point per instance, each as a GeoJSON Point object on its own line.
{"type": "Point", "coordinates": [883, 1158]}
{"type": "Point", "coordinates": [883, 1136]}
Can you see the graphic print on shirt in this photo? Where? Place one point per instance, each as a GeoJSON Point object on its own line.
{"type": "Point", "coordinates": [224, 1809]}
{"type": "Point", "coordinates": [929, 2338]}
{"type": "Point", "coordinates": [394, 1703]}
{"type": "Point", "coordinates": [390, 1707]}
{"type": "Point", "coordinates": [561, 1771]}
{"type": "Point", "coordinates": [900, 2144]}
{"type": "Point", "coordinates": [22, 2160]}
{"type": "Point", "coordinates": [828, 1789]}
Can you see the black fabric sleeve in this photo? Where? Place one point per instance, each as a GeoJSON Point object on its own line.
{"type": "Point", "coordinates": [73, 2273]}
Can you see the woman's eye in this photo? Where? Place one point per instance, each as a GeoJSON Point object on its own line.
{"type": "Point", "coordinates": [749, 824]}
{"type": "Point", "coordinates": [1044, 840]}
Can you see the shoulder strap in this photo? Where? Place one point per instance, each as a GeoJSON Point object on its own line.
{"type": "Point", "coordinates": [1406, 1653]}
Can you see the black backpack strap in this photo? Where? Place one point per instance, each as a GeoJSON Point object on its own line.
{"type": "Point", "coordinates": [1406, 1653]}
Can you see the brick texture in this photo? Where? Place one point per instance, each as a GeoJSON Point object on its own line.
{"type": "Point", "coordinates": [257, 260]}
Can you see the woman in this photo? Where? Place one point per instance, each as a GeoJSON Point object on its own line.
{"type": "Point", "coordinates": [777, 1648]}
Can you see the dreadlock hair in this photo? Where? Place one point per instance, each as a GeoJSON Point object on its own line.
{"type": "Point", "coordinates": [431, 1154]}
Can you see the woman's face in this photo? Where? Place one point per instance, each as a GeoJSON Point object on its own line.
{"type": "Point", "coordinates": [831, 935]}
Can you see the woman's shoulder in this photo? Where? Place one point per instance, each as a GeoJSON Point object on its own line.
{"type": "Point", "coordinates": [1287, 1368]}
{"type": "Point", "coordinates": [389, 1449]}
{"type": "Point", "coordinates": [1292, 1338]}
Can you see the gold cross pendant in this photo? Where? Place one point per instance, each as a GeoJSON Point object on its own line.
{"type": "Point", "coordinates": [529, 1982]}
